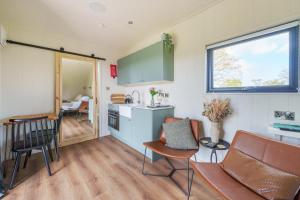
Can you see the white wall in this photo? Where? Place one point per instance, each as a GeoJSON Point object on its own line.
{"type": "Point", "coordinates": [28, 74]}
{"type": "Point", "coordinates": [77, 79]}
{"type": "Point", "coordinates": [1, 108]}
{"type": "Point", "coordinates": [27, 80]}
{"type": "Point", "coordinates": [108, 86]}
{"type": "Point", "coordinates": [36, 23]}
{"type": "Point", "coordinates": [230, 18]}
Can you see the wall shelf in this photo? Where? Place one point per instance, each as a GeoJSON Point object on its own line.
{"type": "Point", "coordinates": [283, 133]}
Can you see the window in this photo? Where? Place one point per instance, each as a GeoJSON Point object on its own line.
{"type": "Point", "coordinates": [265, 61]}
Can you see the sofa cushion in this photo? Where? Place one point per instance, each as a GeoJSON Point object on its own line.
{"type": "Point", "coordinates": [271, 152]}
{"type": "Point", "coordinates": [179, 135]}
{"type": "Point", "coordinates": [265, 180]}
{"type": "Point", "coordinates": [161, 149]}
{"type": "Point", "coordinates": [282, 157]}
{"type": "Point", "coordinates": [224, 183]}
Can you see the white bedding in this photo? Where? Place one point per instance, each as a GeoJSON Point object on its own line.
{"type": "Point", "coordinates": [71, 106]}
{"type": "Point", "coordinates": [74, 104]}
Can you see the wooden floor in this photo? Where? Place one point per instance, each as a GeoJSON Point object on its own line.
{"type": "Point", "coordinates": [72, 127]}
{"type": "Point", "coordinates": [105, 170]}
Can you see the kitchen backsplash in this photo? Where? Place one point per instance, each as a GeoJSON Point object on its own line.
{"type": "Point", "coordinates": [162, 97]}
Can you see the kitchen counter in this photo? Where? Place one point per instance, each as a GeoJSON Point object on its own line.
{"type": "Point", "coordinates": [139, 124]}
{"type": "Point", "coordinates": [144, 106]}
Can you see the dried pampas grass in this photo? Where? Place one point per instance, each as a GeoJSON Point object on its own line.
{"type": "Point", "coordinates": [217, 110]}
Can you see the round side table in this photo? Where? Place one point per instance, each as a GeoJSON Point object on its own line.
{"type": "Point", "coordinates": [220, 146]}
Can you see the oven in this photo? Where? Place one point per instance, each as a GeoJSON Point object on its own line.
{"type": "Point", "coordinates": [113, 119]}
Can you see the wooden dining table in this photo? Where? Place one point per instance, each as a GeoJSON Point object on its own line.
{"type": "Point", "coordinates": [5, 122]}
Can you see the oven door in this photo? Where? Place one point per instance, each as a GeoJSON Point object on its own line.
{"type": "Point", "coordinates": [113, 119]}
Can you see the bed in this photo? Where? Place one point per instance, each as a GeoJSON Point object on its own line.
{"type": "Point", "coordinates": [74, 105]}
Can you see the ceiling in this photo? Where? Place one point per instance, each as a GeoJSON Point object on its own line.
{"type": "Point", "coordinates": [103, 22]}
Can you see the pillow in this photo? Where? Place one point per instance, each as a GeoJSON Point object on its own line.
{"type": "Point", "coordinates": [84, 98]}
{"type": "Point", "coordinates": [179, 135]}
{"type": "Point", "coordinates": [269, 182]}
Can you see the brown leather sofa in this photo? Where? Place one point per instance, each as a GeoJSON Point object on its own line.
{"type": "Point", "coordinates": [273, 153]}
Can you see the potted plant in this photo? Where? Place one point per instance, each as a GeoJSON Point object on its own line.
{"type": "Point", "coordinates": [153, 92]}
{"type": "Point", "coordinates": [216, 111]}
{"type": "Point", "coordinates": [167, 40]}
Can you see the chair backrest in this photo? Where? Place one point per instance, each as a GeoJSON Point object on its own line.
{"type": "Point", "coordinates": [59, 119]}
{"type": "Point", "coordinates": [83, 106]}
{"type": "Point", "coordinates": [31, 133]}
{"type": "Point", "coordinates": [195, 125]}
{"type": "Point", "coordinates": [274, 153]}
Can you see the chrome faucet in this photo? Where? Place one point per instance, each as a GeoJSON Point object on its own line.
{"type": "Point", "coordinates": [139, 95]}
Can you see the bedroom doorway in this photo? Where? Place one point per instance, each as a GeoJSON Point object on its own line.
{"type": "Point", "coordinates": [77, 98]}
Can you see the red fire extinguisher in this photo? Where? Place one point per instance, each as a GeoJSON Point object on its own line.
{"type": "Point", "coordinates": [113, 71]}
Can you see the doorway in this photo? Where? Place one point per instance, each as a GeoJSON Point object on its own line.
{"type": "Point", "coordinates": [77, 98]}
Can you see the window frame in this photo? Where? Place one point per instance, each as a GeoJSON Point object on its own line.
{"type": "Point", "coordinates": [293, 64]}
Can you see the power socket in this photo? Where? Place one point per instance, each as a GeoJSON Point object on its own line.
{"type": "Point", "coordinates": [284, 115]}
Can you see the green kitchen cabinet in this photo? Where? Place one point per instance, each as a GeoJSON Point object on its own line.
{"type": "Point", "coordinates": [143, 126]}
{"type": "Point", "coordinates": [124, 71]}
{"type": "Point", "coordinates": [151, 64]}
{"type": "Point", "coordinates": [152, 69]}
{"type": "Point", "coordinates": [125, 132]}
{"type": "Point", "coordinates": [146, 127]}
{"type": "Point", "coordinates": [113, 131]}
{"type": "Point", "coordinates": [141, 129]}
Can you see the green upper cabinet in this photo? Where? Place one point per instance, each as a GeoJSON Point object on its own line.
{"type": "Point", "coordinates": [151, 64]}
{"type": "Point", "coordinates": [124, 71]}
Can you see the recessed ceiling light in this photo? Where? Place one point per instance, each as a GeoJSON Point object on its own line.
{"type": "Point", "coordinates": [97, 7]}
{"type": "Point", "coordinates": [101, 25]}
{"type": "Point", "coordinates": [130, 22]}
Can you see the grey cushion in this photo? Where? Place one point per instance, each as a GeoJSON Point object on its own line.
{"type": "Point", "coordinates": [179, 135]}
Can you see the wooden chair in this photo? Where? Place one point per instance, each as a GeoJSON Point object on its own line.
{"type": "Point", "coordinates": [83, 109]}
{"type": "Point", "coordinates": [56, 130]}
{"type": "Point", "coordinates": [169, 153]}
{"type": "Point", "coordinates": [26, 136]}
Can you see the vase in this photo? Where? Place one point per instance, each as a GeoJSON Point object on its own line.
{"type": "Point", "coordinates": [215, 130]}
{"type": "Point", "coordinates": [152, 104]}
